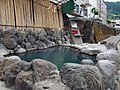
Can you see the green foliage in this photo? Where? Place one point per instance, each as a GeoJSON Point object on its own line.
{"type": "Point", "coordinates": [108, 21]}
{"type": "Point", "coordinates": [113, 10]}
{"type": "Point", "coordinates": [95, 11]}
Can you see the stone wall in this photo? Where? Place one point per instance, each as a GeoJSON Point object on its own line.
{"type": "Point", "coordinates": [18, 41]}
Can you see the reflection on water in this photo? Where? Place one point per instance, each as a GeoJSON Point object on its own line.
{"type": "Point", "coordinates": [56, 55]}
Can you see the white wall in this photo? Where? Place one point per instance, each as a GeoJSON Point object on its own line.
{"type": "Point", "coordinates": [79, 2]}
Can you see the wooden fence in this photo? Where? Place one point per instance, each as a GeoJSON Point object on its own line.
{"type": "Point", "coordinates": [30, 14]}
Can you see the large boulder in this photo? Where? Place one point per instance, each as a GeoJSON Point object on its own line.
{"type": "Point", "coordinates": [3, 50]}
{"type": "Point", "coordinates": [31, 39]}
{"type": "Point", "coordinates": [11, 72]}
{"type": "Point", "coordinates": [92, 49]}
{"type": "Point", "coordinates": [49, 43]}
{"type": "Point", "coordinates": [10, 43]}
{"type": "Point", "coordinates": [81, 77]}
{"type": "Point", "coordinates": [44, 70]}
{"type": "Point", "coordinates": [7, 34]}
{"type": "Point", "coordinates": [108, 71]}
{"type": "Point", "coordinates": [35, 33]}
{"type": "Point", "coordinates": [49, 32]}
{"type": "Point", "coordinates": [40, 45]}
{"type": "Point", "coordinates": [41, 37]}
{"type": "Point", "coordinates": [21, 36]}
{"type": "Point", "coordinates": [111, 55]}
{"type": "Point", "coordinates": [57, 34]}
{"type": "Point", "coordinates": [24, 81]}
{"type": "Point", "coordinates": [50, 85]}
{"type": "Point", "coordinates": [87, 62]}
{"type": "Point", "coordinates": [27, 66]}
{"type": "Point", "coordinates": [28, 46]}
{"type": "Point", "coordinates": [7, 62]}
{"type": "Point", "coordinates": [20, 50]}
{"type": "Point", "coordinates": [13, 58]}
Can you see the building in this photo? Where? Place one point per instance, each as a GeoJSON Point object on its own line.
{"type": "Point", "coordinates": [30, 14]}
{"type": "Point", "coordinates": [99, 5]}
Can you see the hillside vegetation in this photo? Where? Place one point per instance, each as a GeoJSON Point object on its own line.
{"type": "Point", "coordinates": [113, 10]}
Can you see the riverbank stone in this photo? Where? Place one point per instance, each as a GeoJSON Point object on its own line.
{"type": "Point", "coordinates": [87, 62]}
{"type": "Point", "coordinates": [27, 66]}
{"type": "Point", "coordinates": [3, 50]}
{"type": "Point", "coordinates": [11, 72]}
{"type": "Point", "coordinates": [7, 62]}
{"type": "Point", "coordinates": [20, 50]}
{"type": "Point", "coordinates": [81, 77]}
{"type": "Point", "coordinates": [10, 43]}
{"type": "Point", "coordinates": [40, 45]}
{"type": "Point", "coordinates": [50, 85]}
{"type": "Point", "coordinates": [44, 70]}
{"type": "Point", "coordinates": [24, 81]}
{"type": "Point", "coordinates": [92, 49]}
{"type": "Point", "coordinates": [111, 55]}
{"type": "Point", "coordinates": [108, 71]}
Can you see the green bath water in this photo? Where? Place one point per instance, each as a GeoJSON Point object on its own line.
{"type": "Point", "coordinates": [57, 55]}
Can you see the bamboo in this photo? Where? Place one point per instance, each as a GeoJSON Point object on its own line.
{"type": "Point", "coordinates": [34, 13]}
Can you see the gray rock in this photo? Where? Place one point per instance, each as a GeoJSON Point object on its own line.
{"type": "Point", "coordinates": [92, 49]}
{"type": "Point", "coordinates": [28, 31]}
{"type": "Point", "coordinates": [111, 55]}
{"type": "Point", "coordinates": [7, 34]}
{"type": "Point", "coordinates": [1, 40]}
{"type": "Point", "coordinates": [23, 44]}
{"type": "Point", "coordinates": [34, 33]}
{"type": "Point", "coordinates": [1, 57]}
{"type": "Point", "coordinates": [49, 43]}
{"type": "Point", "coordinates": [87, 62]}
{"type": "Point", "coordinates": [107, 70]}
{"type": "Point", "coordinates": [58, 34]}
{"type": "Point", "coordinates": [20, 40]}
{"type": "Point", "coordinates": [5, 62]}
{"type": "Point", "coordinates": [18, 46]}
{"type": "Point", "coordinates": [35, 47]}
{"type": "Point", "coordinates": [28, 46]}
{"type": "Point", "coordinates": [24, 81]}
{"type": "Point", "coordinates": [1, 32]}
{"type": "Point", "coordinates": [81, 77]}
{"type": "Point", "coordinates": [3, 50]}
{"type": "Point", "coordinates": [21, 36]}
{"type": "Point", "coordinates": [20, 50]}
{"type": "Point", "coordinates": [42, 32]}
{"type": "Point", "coordinates": [10, 73]}
{"type": "Point", "coordinates": [49, 85]}
{"type": "Point", "coordinates": [13, 58]}
{"type": "Point", "coordinates": [10, 43]}
{"type": "Point", "coordinates": [59, 42]}
{"type": "Point", "coordinates": [49, 32]}
{"type": "Point", "coordinates": [40, 45]}
{"type": "Point", "coordinates": [31, 39]}
{"type": "Point", "coordinates": [44, 70]}
{"type": "Point", "coordinates": [41, 37]}
{"type": "Point", "coordinates": [27, 66]}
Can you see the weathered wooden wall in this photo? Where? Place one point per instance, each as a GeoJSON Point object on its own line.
{"type": "Point", "coordinates": [30, 13]}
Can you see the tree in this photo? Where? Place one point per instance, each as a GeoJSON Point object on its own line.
{"type": "Point", "coordinates": [95, 11]}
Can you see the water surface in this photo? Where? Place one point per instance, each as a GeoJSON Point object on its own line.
{"type": "Point", "coordinates": [57, 55]}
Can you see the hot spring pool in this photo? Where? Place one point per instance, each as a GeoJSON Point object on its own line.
{"type": "Point", "coordinates": [57, 55]}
